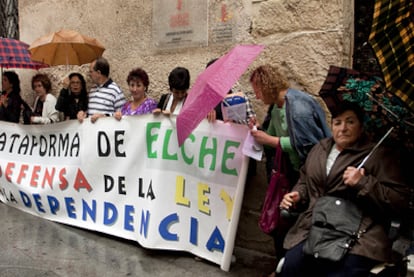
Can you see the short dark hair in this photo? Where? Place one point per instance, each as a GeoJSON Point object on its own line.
{"type": "Point", "coordinates": [138, 74]}
{"type": "Point", "coordinates": [344, 106]}
{"type": "Point", "coordinates": [179, 79]}
{"type": "Point", "coordinates": [44, 79]}
{"type": "Point", "coordinates": [102, 65]}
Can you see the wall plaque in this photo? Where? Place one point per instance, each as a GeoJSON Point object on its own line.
{"type": "Point", "coordinates": [223, 20]}
{"type": "Point", "coordinates": [179, 23]}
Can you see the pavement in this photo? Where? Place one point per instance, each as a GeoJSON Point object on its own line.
{"type": "Point", "coordinates": [32, 246]}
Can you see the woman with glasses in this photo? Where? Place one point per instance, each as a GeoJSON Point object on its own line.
{"type": "Point", "coordinates": [73, 97]}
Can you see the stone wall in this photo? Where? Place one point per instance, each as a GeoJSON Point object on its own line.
{"type": "Point", "coordinates": [304, 37]}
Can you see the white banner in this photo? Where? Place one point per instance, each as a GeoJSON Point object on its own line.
{"type": "Point", "coordinates": [130, 179]}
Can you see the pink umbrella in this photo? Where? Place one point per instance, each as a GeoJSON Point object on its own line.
{"type": "Point", "coordinates": [212, 85]}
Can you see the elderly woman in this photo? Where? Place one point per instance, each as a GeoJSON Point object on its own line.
{"type": "Point", "coordinates": [377, 189]}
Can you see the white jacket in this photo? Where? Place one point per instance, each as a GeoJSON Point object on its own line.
{"type": "Point", "coordinates": [49, 113]}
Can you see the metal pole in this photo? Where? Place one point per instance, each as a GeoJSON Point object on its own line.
{"type": "Point", "coordinates": [375, 147]}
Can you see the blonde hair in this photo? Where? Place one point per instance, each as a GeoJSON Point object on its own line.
{"type": "Point", "coordinates": [271, 81]}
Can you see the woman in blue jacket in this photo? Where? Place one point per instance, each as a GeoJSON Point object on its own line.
{"type": "Point", "coordinates": [297, 123]}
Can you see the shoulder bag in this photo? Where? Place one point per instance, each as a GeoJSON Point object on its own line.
{"type": "Point", "coordinates": [335, 228]}
{"type": "Point", "coordinates": [270, 217]}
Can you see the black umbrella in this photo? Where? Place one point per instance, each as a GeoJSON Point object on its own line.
{"type": "Point", "coordinates": [383, 109]}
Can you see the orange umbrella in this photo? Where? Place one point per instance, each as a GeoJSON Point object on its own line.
{"type": "Point", "coordinates": [66, 47]}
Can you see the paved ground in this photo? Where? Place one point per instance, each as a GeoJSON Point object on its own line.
{"type": "Point", "coordinates": [32, 246]}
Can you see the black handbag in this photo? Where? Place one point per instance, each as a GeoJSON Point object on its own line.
{"type": "Point", "coordinates": [26, 112]}
{"type": "Point", "coordinates": [335, 228]}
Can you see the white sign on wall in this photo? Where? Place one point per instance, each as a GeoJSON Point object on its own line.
{"type": "Point", "coordinates": [223, 20]}
{"type": "Point", "coordinates": [179, 23]}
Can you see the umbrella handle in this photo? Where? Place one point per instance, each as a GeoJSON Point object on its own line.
{"type": "Point", "coordinates": [374, 148]}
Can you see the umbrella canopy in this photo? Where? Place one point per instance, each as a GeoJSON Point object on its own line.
{"type": "Point", "coordinates": [212, 85]}
{"type": "Point", "coordinates": [66, 47]}
{"type": "Point", "coordinates": [15, 54]}
{"type": "Point", "coordinates": [383, 109]}
{"type": "Point", "coordinates": [392, 38]}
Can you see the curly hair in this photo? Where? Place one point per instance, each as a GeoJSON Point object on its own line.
{"type": "Point", "coordinates": [44, 79]}
{"type": "Point", "coordinates": [271, 81]}
{"type": "Point", "coordinates": [138, 74]}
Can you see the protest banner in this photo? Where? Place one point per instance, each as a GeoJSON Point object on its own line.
{"type": "Point", "coordinates": [130, 179]}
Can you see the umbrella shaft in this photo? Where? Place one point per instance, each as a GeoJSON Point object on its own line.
{"type": "Point", "coordinates": [382, 105]}
{"type": "Point", "coordinates": [375, 148]}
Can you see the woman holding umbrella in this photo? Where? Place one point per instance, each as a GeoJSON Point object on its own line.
{"type": "Point", "coordinates": [337, 168]}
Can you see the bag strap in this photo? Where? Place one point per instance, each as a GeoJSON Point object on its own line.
{"type": "Point", "coordinates": [279, 164]}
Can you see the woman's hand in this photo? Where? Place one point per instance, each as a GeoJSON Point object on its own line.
{"type": "Point", "coordinates": [264, 138]}
{"type": "Point", "coordinates": [3, 100]}
{"type": "Point", "coordinates": [252, 122]}
{"type": "Point", "coordinates": [118, 115]}
{"type": "Point", "coordinates": [96, 116]}
{"type": "Point", "coordinates": [65, 82]}
{"type": "Point", "coordinates": [81, 115]}
{"type": "Point", "coordinates": [352, 175]}
{"type": "Point", "coordinates": [211, 116]}
{"type": "Point", "coordinates": [289, 200]}
{"type": "Point", "coordinates": [156, 111]}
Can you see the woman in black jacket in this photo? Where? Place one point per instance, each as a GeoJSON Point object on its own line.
{"type": "Point", "coordinates": [73, 97]}
{"type": "Point", "coordinates": [11, 102]}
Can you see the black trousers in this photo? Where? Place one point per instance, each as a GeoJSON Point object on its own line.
{"type": "Point", "coordinates": [299, 265]}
